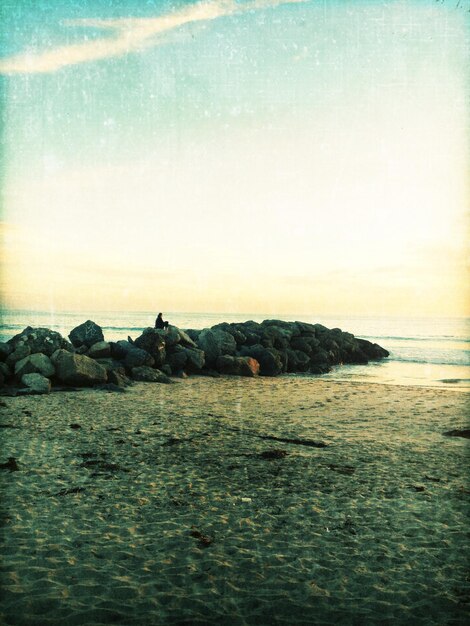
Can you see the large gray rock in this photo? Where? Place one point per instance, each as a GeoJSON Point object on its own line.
{"type": "Point", "coordinates": [136, 357]}
{"type": "Point", "coordinates": [149, 375]}
{"type": "Point", "coordinates": [237, 365]}
{"type": "Point", "coordinates": [36, 382]}
{"type": "Point", "coordinates": [21, 352]}
{"type": "Point", "coordinates": [119, 378]}
{"type": "Point", "coordinates": [232, 329]}
{"type": "Point", "coordinates": [215, 343]}
{"type": "Point", "coordinates": [269, 359]}
{"type": "Point", "coordinates": [297, 361]}
{"type": "Point", "coordinates": [119, 349]}
{"type": "Point", "coordinates": [195, 360]}
{"type": "Point", "coordinates": [99, 350]}
{"type": "Point", "coordinates": [174, 335]}
{"type": "Point", "coordinates": [78, 369]}
{"type": "Point", "coordinates": [153, 342]}
{"type": "Point", "coordinates": [5, 370]}
{"type": "Point", "coordinates": [41, 340]}
{"type": "Point", "coordinates": [35, 363]}
{"type": "Point", "coordinates": [176, 358]}
{"type": "Point", "coordinates": [5, 350]}
{"type": "Point", "coordinates": [86, 334]}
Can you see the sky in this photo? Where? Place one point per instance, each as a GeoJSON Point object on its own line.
{"type": "Point", "coordinates": [235, 156]}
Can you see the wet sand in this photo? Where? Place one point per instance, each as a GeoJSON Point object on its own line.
{"type": "Point", "coordinates": [168, 505]}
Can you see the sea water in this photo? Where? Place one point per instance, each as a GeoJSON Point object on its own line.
{"type": "Point", "coordinates": [423, 351]}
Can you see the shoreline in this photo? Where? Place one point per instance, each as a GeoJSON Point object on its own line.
{"type": "Point", "coordinates": [167, 504]}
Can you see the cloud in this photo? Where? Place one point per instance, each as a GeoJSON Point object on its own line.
{"type": "Point", "coordinates": [130, 35]}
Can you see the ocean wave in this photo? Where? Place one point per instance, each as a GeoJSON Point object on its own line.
{"type": "Point", "coordinates": [427, 360]}
{"type": "Point", "coordinates": [434, 338]}
{"type": "Point", "coordinates": [125, 328]}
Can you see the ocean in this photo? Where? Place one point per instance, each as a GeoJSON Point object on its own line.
{"type": "Point", "coordinates": [423, 351]}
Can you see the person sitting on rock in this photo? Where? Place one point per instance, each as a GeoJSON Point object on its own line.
{"type": "Point", "coordinates": [159, 323]}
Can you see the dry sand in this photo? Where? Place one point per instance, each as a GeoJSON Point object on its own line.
{"type": "Point", "coordinates": [158, 507]}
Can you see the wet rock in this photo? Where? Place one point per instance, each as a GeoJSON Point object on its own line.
{"type": "Point", "coordinates": [149, 375]}
{"type": "Point", "coordinates": [35, 363]}
{"type": "Point", "coordinates": [77, 369]}
{"type": "Point", "coordinates": [86, 334]}
{"type": "Point", "coordinates": [36, 382]}
{"type": "Point", "coordinates": [100, 350]}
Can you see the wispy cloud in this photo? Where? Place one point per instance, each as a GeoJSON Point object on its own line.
{"type": "Point", "coordinates": [130, 35]}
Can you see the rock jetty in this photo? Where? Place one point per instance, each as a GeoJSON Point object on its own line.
{"type": "Point", "coordinates": [38, 358]}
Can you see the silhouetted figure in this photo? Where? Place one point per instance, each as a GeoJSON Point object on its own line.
{"type": "Point", "coordinates": [159, 323]}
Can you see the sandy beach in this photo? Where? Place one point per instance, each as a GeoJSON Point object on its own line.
{"type": "Point", "coordinates": [185, 504]}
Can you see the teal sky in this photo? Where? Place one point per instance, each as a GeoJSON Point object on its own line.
{"type": "Point", "coordinates": [298, 156]}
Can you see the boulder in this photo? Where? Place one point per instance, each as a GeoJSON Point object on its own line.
{"type": "Point", "coordinates": [21, 352]}
{"type": "Point", "coordinates": [86, 334]}
{"type": "Point", "coordinates": [111, 365]}
{"type": "Point", "coordinates": [176, 358]}
{"type": "Point", "coordinates": [174, 335]}
{"type": "Point", "coordinates": [237, 365]}
{"type": "Point", "coordinates": [280, 336]}
{"type": "Point", "coordinates": [319, 358]}
{"type": "Point", "coordinates": [119, 349]}
{"type": "Point", "coordinates": [78, 369]}
{"type": "Point", "coordinates": [269, 359]}
{"type": "Point", "coordinates": [119, 378]}
{"type": "Point", "coordinates": [100, 350]}
{"type": "Point", "coordinates": [372, 350]}
{"type": "Point", "coordinates": [136, 357]}
{"type": "Point", "coordinates": [152, 341]}
{"type": "Point", "coordinates": [41, 340]}
{"type": "Point", "coordinates": [35, 363]}
{"type": "Point", "coordinates": [248, 366]}
{"type": "Point", "coordinates": [297, 361]}
{"type": "Point", "coordinates": [193, 334]}
{"type": "Point", "coordinates": [228, 365]}
{"type": "Point", "coordinates": [195, 360]}
{"type": "Point", "coordinates": [166, 369]}
{"type": "Point", "coordinates": [232, 329]}
{"type": "Point", "coordinates": [215, 343]}
{"type": "Point", "coordinates": [5, 350]}
{"type": "Point", "coordinates": [306, 344]}
{"type": "Point", "coordinates": [5, 370]}
{"type": "Point", "coordinates": [149, 375]}
{"type": "Point", "coordinates": [36, 382]}
{"type": "Point", "coordinates": [308, 329]}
